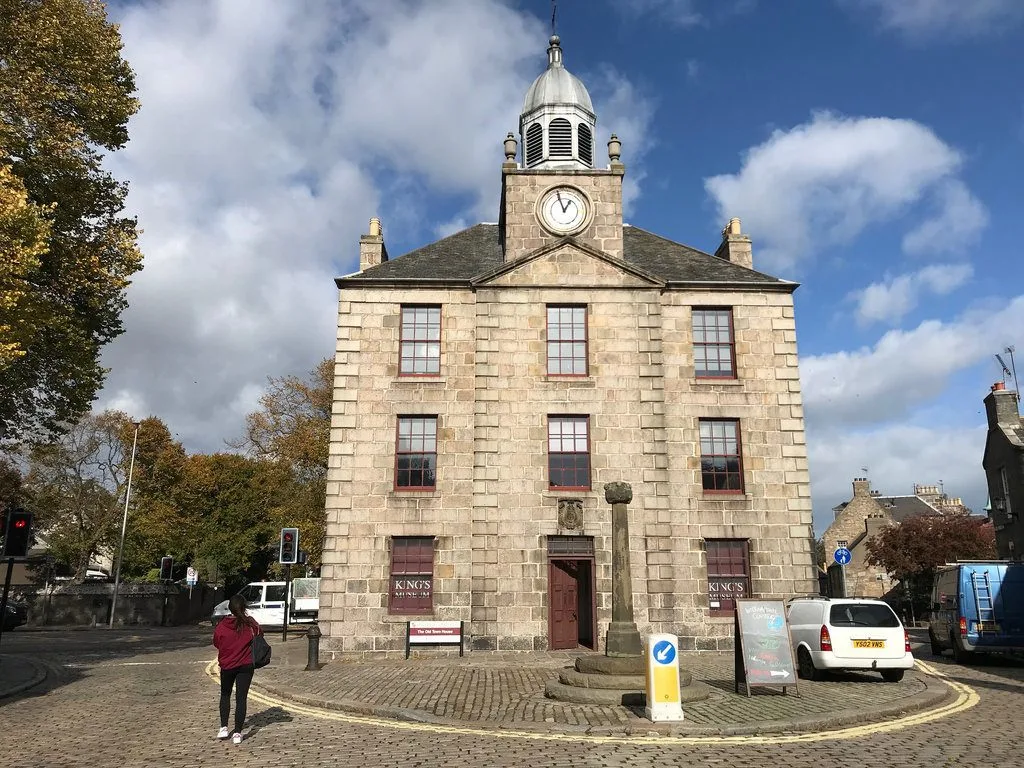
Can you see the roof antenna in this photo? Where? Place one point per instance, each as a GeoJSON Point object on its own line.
{"type": "Point", "coordinates": [1010, 350]}
{"type": "Point", "coordinates": [1006, 371]}
{"type": "Point", "coordinates": [554, 12]}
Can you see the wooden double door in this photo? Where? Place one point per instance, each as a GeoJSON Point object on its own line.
{"type": "Point", "coordinates": [571, 604]}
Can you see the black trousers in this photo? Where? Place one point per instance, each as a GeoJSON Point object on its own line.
{"type": "Point", "coordinates": [240, 678]}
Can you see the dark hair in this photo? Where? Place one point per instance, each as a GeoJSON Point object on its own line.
{"type": "Point", "coordinates": [237, 606]}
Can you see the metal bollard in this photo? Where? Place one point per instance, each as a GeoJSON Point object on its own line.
{"type": "Point", "coordinates": [313, 655]}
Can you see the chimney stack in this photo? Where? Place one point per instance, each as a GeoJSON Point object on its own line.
{"type": "Point", "coordinates": [735, 245]}
{"type": "Point", "coordinates": [1001, 406]}
{"type": "Point", "coordinates": [371, 246]}
{"type": "Point", "coordinates": [861, 486]}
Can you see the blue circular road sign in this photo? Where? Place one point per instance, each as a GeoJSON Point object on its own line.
{"type": "Point", "coordinates": [843, 556]}
{"type": "Point", "coordinates": [664, 652]}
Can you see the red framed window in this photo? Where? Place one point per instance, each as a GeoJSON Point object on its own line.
{"type": "Point", "coordinates": [714, 344]}
{"type": "Point", "coordinates": [569, 452]}
{"type": "Point", "coordinates": [416, 453]}
{"type": "Point", "coordinates": [567, 341]}
{"type": "Point", "coordinates": [721, 464]}
{"type": "Point", "coordinates": [728, 574]}
{"type": "Point", "coordinates": [412, 575]}
{"type": "Point", "coordinates": [420, 341]}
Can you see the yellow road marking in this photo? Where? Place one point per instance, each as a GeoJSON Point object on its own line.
{"type": "Point", "coordinates": [966, 698]}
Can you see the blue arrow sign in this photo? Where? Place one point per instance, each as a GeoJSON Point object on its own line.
{"type": "Point", "coordinates": [843, 556]}
{"type": "Point", "coordinates": [664, 652]}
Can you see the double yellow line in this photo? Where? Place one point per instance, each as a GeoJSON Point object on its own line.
{"type": "Point", "coordinates": [966, 697]}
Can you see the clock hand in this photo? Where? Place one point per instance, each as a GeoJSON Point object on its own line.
{"type": "Point", "coordinates": [565, 206]}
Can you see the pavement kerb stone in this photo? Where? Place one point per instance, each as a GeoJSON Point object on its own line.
{"type": "Point", "coordinates": [38, 676]}
{"type": "Point", "coordinates": [937, 693]}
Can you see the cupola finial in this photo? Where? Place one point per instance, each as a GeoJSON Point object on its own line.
{"type": "Point", "coordinates": [554, 51]}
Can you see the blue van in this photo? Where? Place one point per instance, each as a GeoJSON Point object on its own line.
{"type": "Point", "coordinates": [977, 607]}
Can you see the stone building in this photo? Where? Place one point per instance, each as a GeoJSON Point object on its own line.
{"type": "Point", "coordinates": [867, 513]}
{"type": "Point", "coordinates": [489, 384]}
{"type": "Point", "coordinates": [1004, 469]}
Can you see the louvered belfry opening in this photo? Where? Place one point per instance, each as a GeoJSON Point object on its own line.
{"type": "Point", "coordinates": [585, 142]}
{"type": "Point", "coordinates": [534, 144]}
{"type": "Point", "coordinates": [560, 138]}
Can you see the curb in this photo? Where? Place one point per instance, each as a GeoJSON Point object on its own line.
{"type": "Point", "coordinates": [38, 676]}
{"type": "Point", "coordinates": [937, 692]}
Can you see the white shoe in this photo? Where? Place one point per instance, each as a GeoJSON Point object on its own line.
{"type": "Point", "coordinates": [223, 733]}
{"type": "Point", "coordinates": [236, 738]}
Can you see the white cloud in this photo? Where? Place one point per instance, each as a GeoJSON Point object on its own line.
{"type": "Point", "coordinates": [685, 13]}
{"type": "Point", "coordinates": [904, 369]}
{"type": "Point", "coordinates": [269, 133]}
{"type": "Point", "coordinates": [893, 298]}
{"type": "Point", "coordinates": [897, 457]}
{"type": "Point", "coordinates": [926, 18]}
{"type": "Point", "coordinates": [822, 183]}
{"type": "Point", "coordinates": [959, 221]}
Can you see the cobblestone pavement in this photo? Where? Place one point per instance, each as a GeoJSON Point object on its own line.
{"type": "Point", "coordinates": [129, 699]}
{"type": "Point", "coordinates": [500, 689]}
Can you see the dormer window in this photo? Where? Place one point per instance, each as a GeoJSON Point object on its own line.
{"type": "Point", "coordinates": [585, 141]}
{"type": "Point", "coordinates": [534, 144]}
{"type": "Point", "coordinates": [560, 137]}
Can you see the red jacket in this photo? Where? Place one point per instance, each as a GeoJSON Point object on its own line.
{"type": "Point", "coordinates": [234, 649]}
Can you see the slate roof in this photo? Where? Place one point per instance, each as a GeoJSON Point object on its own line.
{"type": "Point", "coordinates": [904, 507]}
{"type": "Point", "coordinates": [476, 251]}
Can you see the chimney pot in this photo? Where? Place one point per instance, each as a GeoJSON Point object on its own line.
{"type": "Point", "coordinates": [372, 251]}
{"type": "Point", "coordinates": [735, 246]}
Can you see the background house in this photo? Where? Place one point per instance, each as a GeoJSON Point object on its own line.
{"type": "Point", "coordinates": [1004, 469]}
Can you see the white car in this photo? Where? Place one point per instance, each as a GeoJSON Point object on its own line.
{"type": "Point", "coordinates": [848, 633]}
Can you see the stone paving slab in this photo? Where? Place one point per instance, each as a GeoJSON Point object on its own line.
{"type": "Point", "coordinates": [506, 690]}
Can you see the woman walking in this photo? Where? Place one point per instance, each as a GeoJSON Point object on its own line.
{"type": "Point", "coordinates": [233, 640]}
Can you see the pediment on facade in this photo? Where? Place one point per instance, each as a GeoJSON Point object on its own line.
{"type": "Point", "coordinates": [569, 264]}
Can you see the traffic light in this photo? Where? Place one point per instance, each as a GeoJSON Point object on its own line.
{"type": "Point", "coordinates": [289, 554]}
{"type": "Point", "coordinates": [18, 534]}
{"type": "Point", "coordinates": [166, 564]}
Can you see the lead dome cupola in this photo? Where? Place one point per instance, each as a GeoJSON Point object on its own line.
{"type": "Point", "coordinates": [556, 127]}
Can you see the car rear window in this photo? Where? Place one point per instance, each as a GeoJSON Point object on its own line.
{"type": "Point", "coordinates": [862, 615]}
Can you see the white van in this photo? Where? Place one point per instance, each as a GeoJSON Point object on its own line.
{"type": "Point", "coordinates": [265, 602]}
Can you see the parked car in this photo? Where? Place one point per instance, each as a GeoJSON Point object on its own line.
{"type": "Point", "coordinates": [848, 633]}
{"type": "Point", "coordinates": [977, 607]}
{"type": "Point", "coordinates": [15, 615]}
{"type": "Point", "coordinates": [265, 601]}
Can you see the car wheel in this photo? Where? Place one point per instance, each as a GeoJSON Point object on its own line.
{"type": "Point", "coordinates": [936, 647]}
{"type": "Point", "coordinates": [806, 668]}
{"type": "Point", "coordinates": [960, 654]}
{"type": "Point", "coordinates": [892, 675]}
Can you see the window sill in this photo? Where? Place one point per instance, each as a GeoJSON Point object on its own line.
{"type": "Point", "coordinates": [717, 382]}
{"type": "Point", "coordinates": [412, 380]}
{"type": "Point", "coordinates": [574, 381]}
{"type": "Point", "coordinates": [413, 493]}
{"type": "Point", "coordinates": [725, 495]}
{"type": "Point", "coordinates": [564, 491]}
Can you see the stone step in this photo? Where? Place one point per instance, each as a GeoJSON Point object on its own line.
{"type": "Point", "coordinates": [622, 682]}
{"type": "Point", "coordinates": [611, 665]}
{"type": "Point", "coordinates": [697, 691]}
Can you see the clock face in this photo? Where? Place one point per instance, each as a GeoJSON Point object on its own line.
{"type": "Point", "coordinates": [564, 210]}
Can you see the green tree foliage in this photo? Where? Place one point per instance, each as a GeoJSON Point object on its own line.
{"type": "Point", "coordinates": [293, 426]}
{"type": "Point", "coordinates": [912, 550]}
{"type": "Point", "coordinates": [65, 98]}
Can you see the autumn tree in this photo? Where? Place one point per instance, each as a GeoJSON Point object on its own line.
{"type": "Point", "coordinates": [293, 425]}
{"type": "Point", "coordinates": [66, 251]}
{"type": "Point", "coordinates": [912, 550]}
{"type": "Point", "coordinates": [76, 487]}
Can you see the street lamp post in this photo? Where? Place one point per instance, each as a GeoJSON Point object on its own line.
{"type": "Point", "coordinates": [124, 526]}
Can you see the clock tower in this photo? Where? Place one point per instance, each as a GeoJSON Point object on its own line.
{"type": "Point", "coordinates": [556, 192]}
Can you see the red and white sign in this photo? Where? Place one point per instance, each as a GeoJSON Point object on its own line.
{"type": "Point", "coordinates": [435, 632]}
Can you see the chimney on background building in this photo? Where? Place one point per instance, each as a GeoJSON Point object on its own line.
{"type": "Point", "coordinates": [735, 245]}
{"type": "Point", "coordinates": [371, 246]}
{"type": "Point", "coordinates": [861, 486]}
{"type": "Point", "coordinates": [1001, 406]}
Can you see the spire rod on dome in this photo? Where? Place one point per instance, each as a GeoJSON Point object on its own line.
{"type": "Point", "coordinates": [554, 13]}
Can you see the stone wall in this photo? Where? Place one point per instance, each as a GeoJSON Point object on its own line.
{"type": "Point", "coordinates": [861, 519]}
{"type": "Point", "coordinates": [142, 604]}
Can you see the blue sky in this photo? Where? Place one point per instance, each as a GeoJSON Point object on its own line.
{"type": "Point", "coordinates": [872, 148]}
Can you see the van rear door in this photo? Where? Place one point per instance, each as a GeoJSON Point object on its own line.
{"type": "Point", "coordinates": [866, 631]}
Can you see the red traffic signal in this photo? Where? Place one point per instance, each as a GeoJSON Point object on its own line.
{"type": "Point", "coordinates": [166, 567]}
{"type": "Point", "coordinates": [288, 553]}
{"type": "Point", "coordinates": [18, 536]}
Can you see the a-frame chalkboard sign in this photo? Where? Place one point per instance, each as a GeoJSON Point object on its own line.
{"type": "Point", "coordinates": [764, 653]}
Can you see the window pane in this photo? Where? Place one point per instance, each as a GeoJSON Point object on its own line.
{"type": "Point", "coordinates": [416, 456]}
{"type": "Point", "coordinates": [721, 459]}
{"type": "Point", "coordinates": [713, 343]}
{"type": "Point", "coordinates": [420, 346]}
{"type": "Point", "coordinates": [568, 452]}
{"type": "Point", "coordinates": [566, 336]}
{"type": "Point", "coordinates": [728, 574]}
